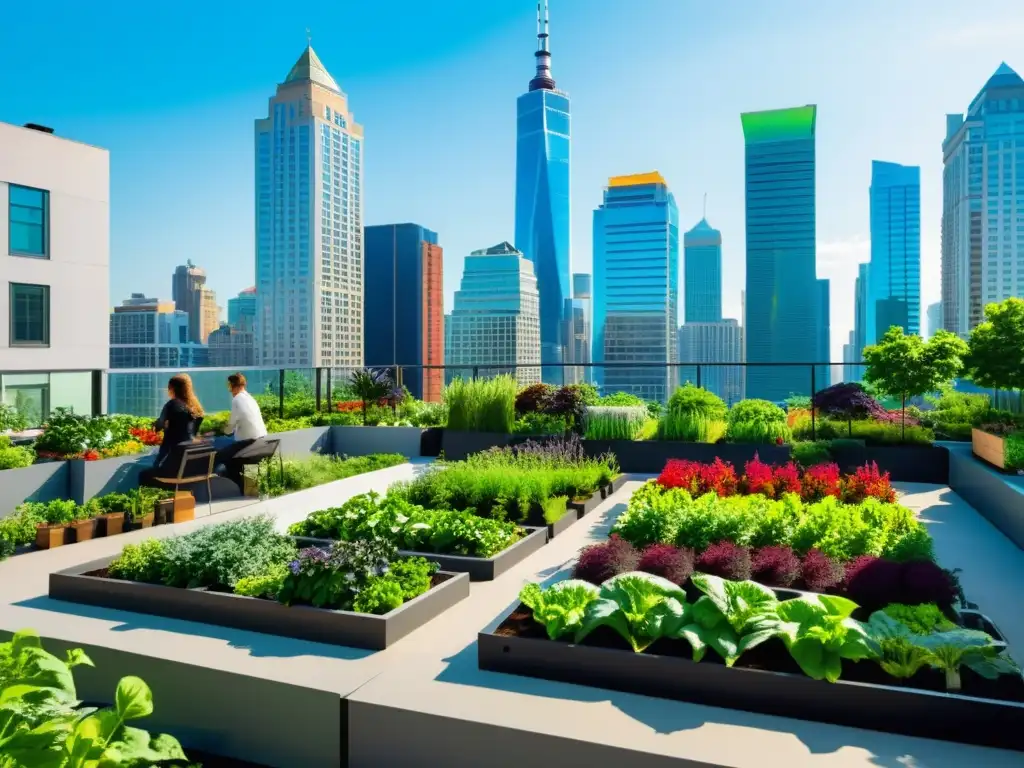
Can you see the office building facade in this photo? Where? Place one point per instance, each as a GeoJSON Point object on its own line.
{"type": "Point", "coordinates": [983, 202]}
{"type": "Point", "coordinates": [404, 299]}
{"type": "Point", "coordinates": [193, 297]}
{"type": "Point", "coordinates": [894, 287]}
{"type": "Point", "coordinates": [823, 373]}
{"type": "Point", "coordinates": [702, 274]}
{"type": "Point", "coordinates": [542, 224]}
{"type": "Point", "coordinates": [309, 224]}
{"type": "Point", "coordinates": [54, 270]}
{"type": "Point", "coordinates": [714, 342]}
{"type": "Point", "coordinates": [494, 326]}
{"type": "Point", "coordinates": [242, 309]}
{"type": "Point", "coordinates": [783, 300]}
{"type": "Point", "coordinates": [636, 286]}
{"type": "Point", "coordinates": [578, 330]}
{"type": "Point", "coordinates": [850, 371]}
{"type": "Point", "coordinates": [231, 347]}
{"type": "Point", "coordinates": [934, 315]}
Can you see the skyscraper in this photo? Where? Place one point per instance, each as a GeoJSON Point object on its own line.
{"type": "Point", "coordinates": [404, 299]}
{"type": "Point", "coordinates": [894, 286]}
{"type": "Point", "coordinates": [702, 274]}
{"type": "Point", "coordinates": [850, 357]}
{"type": "Point", "coordinates": [934, 318]}
{"type": "Point", "coordinates": [783, 301]}
{"type": "Point", "coordinates": [860, 314]}
{"type": "Point", "coordinates": [719, 342]}
{"type": "Point", "coordinates": [579, 325]}
{"type": "Point", "coordinates": [542, 195]}
{"type": "Point", "coordinates": [495, 323]}
{"type": "Point", "coordinates": [188, 286]}
{"type": "Point", "coordinates": [636, 286]}
{"type": "Point", "coordinates": [823, 374]}
{"type": "Point", "coordinates": [983, 202]}
{"type": "Point", "coordinates": [309, 224]}
{"type": "Point", "coordinates": [242, 309]}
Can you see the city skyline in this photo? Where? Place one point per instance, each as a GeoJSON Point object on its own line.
{"type": "Point", "coordinates": [910, 133]}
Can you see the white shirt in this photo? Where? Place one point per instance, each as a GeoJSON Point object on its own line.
{"type": "Point", "coordinates": [246, 420]}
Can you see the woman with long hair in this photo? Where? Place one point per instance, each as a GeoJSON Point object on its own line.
{"type": "Point", "coordinates": [180, 418]}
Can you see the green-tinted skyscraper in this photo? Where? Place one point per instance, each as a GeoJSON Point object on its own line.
{"type": "Point", "coordinates": [783, 298]}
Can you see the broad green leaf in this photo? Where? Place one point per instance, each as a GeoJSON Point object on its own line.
{"type": "Point", "coordinates": [754, 639]}
{"type": "Point", "coordinates": [833, 667]}
{"type": "Point", "coordinates": [25, 638]}
{"type": "Point", "coordinates": [694, 635]}
{"type": "Point", "coordinates": [134, 699]}
{"type": "Point", "coordinates": [714, 589]}
{"type": "Point", "coordinates": [882, 626]}
{"type": "Point", "coordinates": [964, 639]}
{"type": "Point", "coordinates": [726, 643]}
{"type": "Point", "coordinates": [604, 613]}
{"type": "Point", "coordinates": [706, 613]}
{"type": "Point", "coordinates": [560, 608]}
{"type": "Point", "coordinates": [77, 657]}
{"type": "Point", "coordinates": [810, 655]}
{"type": "Point", "coordinates": [857, 647]}
{"type": "Point", "coordinates": [136, 747]}
{"type": "Point", "coordinates": [45, 670]}
{"type": "Point", "coordinates": [803, 611]}
{"type": "Point", "coordinates": [837, 606]}
{"type": "Point", "coordinates": [991, 667]}
{"type": "Point", "coordinates": [90, 735]}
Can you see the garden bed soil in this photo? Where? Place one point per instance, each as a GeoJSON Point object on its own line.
{"type": "Point", "coordinates": [650, 456]}
{"type": "Point", "coordinates": [89, 584]}
{"type": "Point", "coordinates": [478, 568]}
{"type": "Point", "coordinates": [904, 463]}
{"type": "Point", "coordinates": [766, 680]}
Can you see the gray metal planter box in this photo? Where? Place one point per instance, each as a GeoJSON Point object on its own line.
{"type": "Point", "coordinates": [650, 456]}
{"type": "Point", "coordinates": [299, 443]}
{"type": "Point", "coordinates": [362, 441]}
{"type": "Point", "coordinates": [357, 630]}
{"type": "Point", "coordinates": [88, 479]}
{"type": "Point", "coordinates": [40, 482]}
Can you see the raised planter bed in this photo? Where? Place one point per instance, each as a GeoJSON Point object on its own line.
{"type": "Point", "coordinates": [88, 479]}
{"type": "Point", "coordinates": [362, 441]}
{"type": "Point", "coordinates": [457, 445]}
{"type": "Point", "coordinates": [650, 456]}
{"type": "Point", "coordinates": [586, 506]}
{"type": "Point", "coordinates": [478, 568]}
{"type": "Point", "coordinates": [990, 448]}
{"type": "Point", "coordinates": [904, 463]}
{"type": "Point", "coordinates": [613, 487]}
{"type": "Point", "coordinates": [45, 481]}
{"type": "Point", "coordinates": [765, 680]}
{"type": "Point", "coordinates": [87, 584]}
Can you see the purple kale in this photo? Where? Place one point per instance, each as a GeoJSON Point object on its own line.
{"type": "Point", "coordinates": [727, 560]}
{"type": "Point", "coordinates": [873, 583]}
{"type": "Point", "coordinates": [599, 562]}
{"type": "Point", "coordinates": [775, 566]}
{"type": "Point", "coordinates": [667, 561]}
{"type": "Point", "coordinates": [819, 572]}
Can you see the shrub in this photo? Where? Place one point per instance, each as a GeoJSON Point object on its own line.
{"type": "Point", "coordinates": [757, 421]}
{"type": "Point", "coordinates": [847, 401]}
{"type": "Point", "coordinates": [599, 562]}
{"type": "Point", "coordinates": [694, 415]}
{"type": "Point", "coordinates": [775, 566]}
{"type": "Point", "coordinates": [539, 424]}
{"type": "Point", "coordinates": [762, 478]}
{"type": "Point", "coordinates": [615, 422]}
{"type": "Point", "coordinates": [820, 481]}
{"type": "Point", "coordinates": [921, 619]}
{"type": "Point", "coordinates": [819, 572]}
{"type": "Point", "coordinates": [15, 456]}
{"type": "Point", "coordinates": [567, 404]}
{"type": "Point", "coordinates": [868, 482]}
{"type": "Point", "coordinates": [718, 477]}
{"type": "Point", "coordinates": [533, 399]}
{"type": "Point", "coordinates": [143, 562]}
{"type": "Point", "coordinates": [873, 583]}
{"type": "Point", "coordinates": [621, 399]}
{"type": "Point", "coordinates": [891, 433]}
{"type": "Point", "coordinates": [266, 585]}
{"type": "Point", "coordinates": [672, 563]}
{"type": "Point", "coordinates": [1013, 451]}
{"type": "Point", "coordinates": [11, 419]}
{"type": "Point", "coordinates": [808, 454]}
{"type": "Point", "coordinates": [482, 405]}
{"type": "Point", "coordinates": [726, 560]}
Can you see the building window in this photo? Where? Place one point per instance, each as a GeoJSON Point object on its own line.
{"type": "Point", "coordinates": [30, 315]}
{"type": "Point", "coordinates": [29, 217]}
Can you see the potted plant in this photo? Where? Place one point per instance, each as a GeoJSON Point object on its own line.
{"type": "Point", "coordinates": [56, 518]}
{"type": "Point", "coordinates": [84, 526]}
{"type": "Point", "coordinates": [994, 360]}
{"type": "Point", "coordinates": [115, 508]}
{"type": "Point", "coordinates": [140, 512]}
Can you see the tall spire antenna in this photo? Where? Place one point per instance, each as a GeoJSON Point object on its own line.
{"type": "Point", "coordinates": [309, 38]}
{"type": "Point", "coordinates": [543, 81]}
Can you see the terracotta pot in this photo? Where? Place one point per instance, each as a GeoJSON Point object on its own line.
{"type": "Point", "coordinates": [112, 524]}
{"type": "Point", "coordinates": [49, 536]}
{"type": "Point", "coordinates": [83, 530]}
{"type": "Point", "coordinates": [183, 508]}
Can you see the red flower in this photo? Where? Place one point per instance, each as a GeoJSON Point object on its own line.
{"type": "Point", "coordinates": [758, 477]}
{"type": "Point", "coordinates": [866, 482]}
{"type": "Point", "coordinates": [146, 436]}
{"type": "Point", "coordinates": [718, 477]}
{"type": "Point", "coordinates": [349, 406]}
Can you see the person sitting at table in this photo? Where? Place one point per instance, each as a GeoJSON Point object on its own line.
{"type": "Point", "coordinates": [179, 421]}
{"type": "Point", "coordinates": [245, 426]}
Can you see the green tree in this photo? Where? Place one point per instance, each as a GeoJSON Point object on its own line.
{"type": "Point", "coordinates": [995, 357]}
{"type": "Point", "coordinates": [905, 366]}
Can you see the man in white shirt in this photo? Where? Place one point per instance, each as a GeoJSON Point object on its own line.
{"type": "Point", "coordinates": [245, 426]}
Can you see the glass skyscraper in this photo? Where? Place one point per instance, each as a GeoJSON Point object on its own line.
{"type": "Point", "coordinates": [578, 324]}
{"type": "Point", "coordinates": [894, 284]}
{"type": "Point", "coordinates": [702, 274]}
{"type": "Point", "coordinates": [542, 196]}
{"type": "Point", "coordinates": [636, 286]}
{"type": "Point", "coordinates": [823, 373]}
{"type": "Point", "coordinates": [309, 224]}
{"type": "Point", "coordinates": [495, 324]}
{"type": "Point", "coordinates": [783, 300]}
{"type": "Point", "coordinates": [405, 304]}
{"type": "Point", "coordinates": [242, 309]}
{"type": "Point", "coordinates": [719, 342]}
{"type": "Point", "coordinates": [983, 202]}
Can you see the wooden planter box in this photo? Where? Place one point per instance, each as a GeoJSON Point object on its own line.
{"type": "Point", "coordinates": [84, 530]}
{"type": "Point", "coordinates": [111, 524]}
{"type": "Point", "coordinates": [50, 536]}
{"type": "Point", "coordinates": [180, 509]}
{"type": "Point", "coordinates": [989, 447]}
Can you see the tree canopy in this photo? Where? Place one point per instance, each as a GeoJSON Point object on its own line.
{"type": "Point", "coordinates": [905, 365]}
{"type": "Point", "coordinates": [996, 351]}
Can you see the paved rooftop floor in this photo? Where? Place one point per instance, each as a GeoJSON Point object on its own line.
{"type": "Point", "coordinates": [435, 670]}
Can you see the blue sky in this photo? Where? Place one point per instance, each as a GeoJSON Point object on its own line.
{"type": "Point", "coordinates": [655, 84]}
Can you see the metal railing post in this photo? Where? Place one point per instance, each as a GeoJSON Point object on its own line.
{"type": "Point", "coordinates": [698, 375]}
{"type": "Point", "coordinates": [280, 393]}
{"type": "Point", "coordinates": [97, 394]}
{"type": "Point", "coordinates": [476, 371]}
{"type": "Point", "coordinates": [813, 424]}
{"type": "Point", "coordinates": [330, 402]}
{"type": "Point", "coordinates": [316, 387]}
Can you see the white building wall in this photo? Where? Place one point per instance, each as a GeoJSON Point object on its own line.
{"type": "Point", "coordinates": [77, 176]}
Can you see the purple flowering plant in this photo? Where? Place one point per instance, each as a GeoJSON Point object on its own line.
{"type": "Point", "coordinates": [334, 577]}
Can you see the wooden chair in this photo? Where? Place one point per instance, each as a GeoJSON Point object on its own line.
{"type": "Point", "coordinates": [196, 466]}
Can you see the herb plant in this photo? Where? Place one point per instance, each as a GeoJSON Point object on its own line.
{"type": "Point", "coordinates": [625, 422]}
{"type": "Point", "coordinates": [318, 470]}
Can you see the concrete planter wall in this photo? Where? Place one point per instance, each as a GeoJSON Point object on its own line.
{"type": "Point", "coordinates": [457, 445]}
{"type": "Point", "coordinates": [302, 442]}
{"type": "Point", "coordinates": [650, 456]}
{"type": "Point", "coordinates": [998, 498]}
{"type": "Point", "coordinates": [39, 482]}
{"type": "Point", "coordinates": [88, 479]}
{"type": "Point", "coordinates": [904, 463]}
{"type": "Point", "coordinates": [362, 441]}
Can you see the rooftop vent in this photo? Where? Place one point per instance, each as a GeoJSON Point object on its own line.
{"type": "Point", "coordinates": [40, 128]}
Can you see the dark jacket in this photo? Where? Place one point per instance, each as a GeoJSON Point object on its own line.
{"type": "Point", "coordinates": [179, 426]}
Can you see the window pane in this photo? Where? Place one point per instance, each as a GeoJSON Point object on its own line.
{"type": "Point", "coordinates": [27, 215]}
{"type": "Point", "coordinates": [28, 219]}
{"type": "Point", "coordinates": [35, 198]}
{"type": "Point", "coordinates": [30, 314]}
{"type": "Point", "coordinates": [26, 238]}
